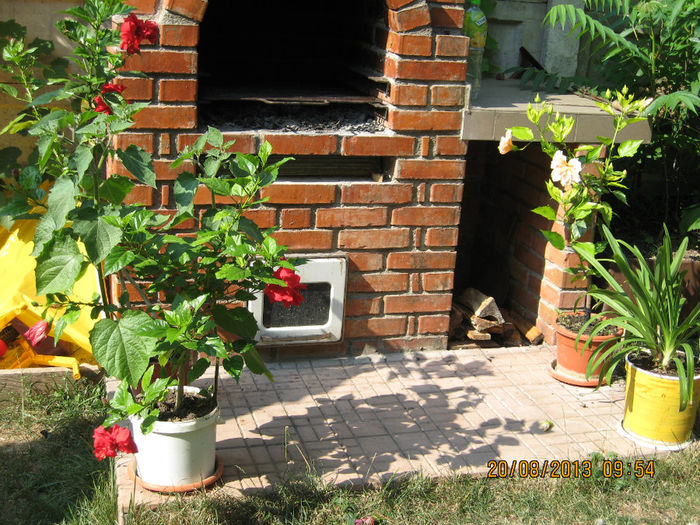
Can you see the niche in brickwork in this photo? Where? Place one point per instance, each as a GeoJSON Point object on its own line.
{"type": "Point", "coordinates": [292, 66]}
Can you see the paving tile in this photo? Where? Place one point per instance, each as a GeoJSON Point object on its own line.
{"type": "Point", "coordinates": [372, 418]}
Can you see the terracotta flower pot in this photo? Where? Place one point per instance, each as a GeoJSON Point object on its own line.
{"type": "Point", "coordinates": [570, 364]}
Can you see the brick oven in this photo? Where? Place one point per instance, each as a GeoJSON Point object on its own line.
{"type": "Point", "coordinates": [380, 180]}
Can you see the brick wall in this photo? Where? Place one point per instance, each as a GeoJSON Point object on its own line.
{"type": "Point", "coordinates": [501, 248]}
{"type": "Point", "coordinates": [399, 235]}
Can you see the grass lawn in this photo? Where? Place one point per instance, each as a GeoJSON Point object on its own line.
{"type": "Point", "coordinates": [49, 475]}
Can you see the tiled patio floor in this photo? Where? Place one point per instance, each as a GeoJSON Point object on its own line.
{"type": "Point", "coordinates": [365, 419]}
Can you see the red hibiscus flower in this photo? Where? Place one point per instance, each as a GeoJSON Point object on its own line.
{"type": "Point", "coordinates": [133, 31]}
{"type": "Point", "coordinates": [106, 441]}
{"type": "Point", "coordinates": [104, 444]}
{"type": "Point", "coordinates": [101, 105]}
{"type": "Point", "coordinates": [287, 295]}
{"type": "Point", "coordinates": [37, 333]}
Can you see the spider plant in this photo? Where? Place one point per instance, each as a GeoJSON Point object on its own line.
{"type": "Point", "coordinates": [649, 314]}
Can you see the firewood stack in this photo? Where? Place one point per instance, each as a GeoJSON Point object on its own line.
{"type": "Point", "coordinates": [476, 317]}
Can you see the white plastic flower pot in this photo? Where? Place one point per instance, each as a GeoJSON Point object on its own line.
{"type": "Point", "coordinates": [177, 455]}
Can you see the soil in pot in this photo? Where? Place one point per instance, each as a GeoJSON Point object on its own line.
{"type": "Point", "coordinates": [645, 362]}
{"type": "Point", "coordinates": [574, 322]}
{"type": "Point", "coordinates": [194, 405]}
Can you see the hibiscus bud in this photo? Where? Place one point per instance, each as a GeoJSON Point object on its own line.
{"type": "Point", "coordinates": [37, 333]}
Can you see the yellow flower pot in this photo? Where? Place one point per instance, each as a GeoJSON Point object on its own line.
{"type": "Point", "coordinates": [652, 417]}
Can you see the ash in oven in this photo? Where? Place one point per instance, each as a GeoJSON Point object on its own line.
{"type": "Point", "coordinates": [351, 118]}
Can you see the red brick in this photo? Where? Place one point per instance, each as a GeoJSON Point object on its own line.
{"type": "Point", "coordinates": [447, 95]}
{"type": "Point", "coordinates": [193, 9]}
{"type": "Point", "coordinates": [245, 143]}
{"type": "Point", "coordinates": [404, 69]}
{"type": "Point", "coordinates": [140, 195]}
{"type": "Point", "coordinates": [351, 217]}
{"type": "Point", "coordinates": [526, 299]}
{"type": "Point", "coordinates": [421, 260]}
{"type": "Point", "coordinates": [166, 117]}
{"type": "Point", "coordinates": [400, 120]}
{"type": "Point", "coordinates": [142, 140]}
{"type": "Point", "coordinates": [441, 237]}
{"type": "Point", "coordinates": [143, 7]}
{"type": "Point", "coordinates": [375, 327]}
{"type": "Point", "coordinates": [452, 17]}
{"type": "Point", "coordinates": [188, 224]}
{"type": "Point", "coordinates": [136, 88]}
{"type": "Point", "coordinates": [450, 146]}
{"type": "Point", "coordinates": [547, 313]}
{"type": "Point", "coordinates": [433, 324]}
{"type": "Point", "coordinates": [291, 193]}
{"type": "Point", "coordinates": [407, 95]}
{"type": "Point", "coordinates": [531, 260]}
{"type": "Point", "coordinates": [373, 238]}
{"type": "Point", "coordinates": [429, 169]}
{"type": "Point", "coordinates": [294, 144]}
{"type": "Point", "coordinates": [410, 18]}
{"type": "Point", "coordinates": [397, 4]}
{"type": "Point", "coordinates": [165, 172]}
{"type": "Point", "coordinates": [399, 304]}
{"type": "Point", "coordinates": [562, 299]}
{"type": "Point", "coordinates": [202, 197]}
{"type": "Point", "coordinates": [438, 282]}
{"type": "Point", "coordinates": [177, 90]}
{"type": "Point", "coordinates": [452, 46]}
{"type": "Point", "coordinates": [560, 278]}
{"type": "Point", "coordinates": [415, 344]}
{"type": "Point", "coordinates": [262, 217]}
{"type": "Point", "coordinates": [415, 283]}
{"type": "Point", "coordinates": [425, 146]}
{"type": "Point", "coordinates": [305, 239]}
{"type": "Point", "coordinates": [164, 144]}
{"type": "Point", "coordinates": [357, 307]}
{"type": "Point", "coordinates": [378, 282]}
{"type": "Point", "coordinates": [425, 216]}
{"type": "Point", "coordinates": [376, 193]}
{"type": "Point", "coordinates": [446, 192]}
{"type": "Point", "coordinates": [365, 262]}
{"type": "Point", "coordinates": [295, 218]}
{"type": "Point", "coordinates": [162, 61]}
{"type": "Point", "coordinates": [373, 145]}
{"type": "Point", "coordinates": [409, 45]}
{"type": "Point", "coordinates": [561, 258]}
{"type": "Point", "coordinates": [179, 35]}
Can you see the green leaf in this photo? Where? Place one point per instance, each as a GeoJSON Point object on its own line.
{"type": "Point", "coordinates": [218, 186]}
{"type": "Point", "coordinates": [264, 152]}
{"type": "Point", "coordinates": [80, 159]}
{"type": "Point", "coordinates": [254, 362]}
{"type": "Point", "coordinates": [628, 148]}
{"type": "Point", "coordinates": [45, 147]}
{"type": "Point", "coordinates": [232, 273]}
{"type": "Point", "coordinates": [215, 137]}
{"type": "Point", "coordinates": [139, 163]}
{"type": "Point", "coordinates": [115, 189]}
{"type": "Point", "coordinates": [234, 366]}
{"type": "Point", "coordinates": [238, 321]}
{"type": "Point", "coordinates": [198, 369]}
{"type": "Point", "coordinates": [554, 238]}
{"type": "Point", "coordinates": [522, 133]}
{"type": "Point", "coordinates": [58, 267]}
{"type": "Point", "coordinates": [251, 229]}
{"type": "Point", "coordinates": [546, 212]}
{"type": "Point", "coordinates": [61, 200]}
{"type": "Point", "coordinates": [120, 346]}
{"type": "Point", "coordinates": [98, 236]}
{"type": "Point", "coordinates": [117, 259]}
{"type": "Point", "coordinates": [184, 190]}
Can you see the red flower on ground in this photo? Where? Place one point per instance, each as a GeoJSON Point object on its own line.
{"type": "Point", "coordinates": [287, 295]}
{"type": "Point", "coordinates": [37, 333]}
{"type": "Point", "coordinates": [133, 31]}
{"type": "Point", "coordinates": [106, 441]}
{"type": "Point", "coordinates": [101, 105]}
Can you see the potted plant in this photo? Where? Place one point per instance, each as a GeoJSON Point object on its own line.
{"type": "Point", "coordinates": [659, 343]}
{"type": "Point", "coordinates": [189, 271]}
{"type": "Point", "coordinates": [580, 178]}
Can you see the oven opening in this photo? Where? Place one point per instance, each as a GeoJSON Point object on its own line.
{"type": "Point", "coordinates": [265, 62]}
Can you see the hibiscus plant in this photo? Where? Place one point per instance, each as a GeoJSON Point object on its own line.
{"type": "Point", "coordinates": [577, 192]}
{"type": "Point", "coordinates": [189, 271]}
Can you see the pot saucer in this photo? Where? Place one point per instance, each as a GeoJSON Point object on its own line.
{"type": "Point", "coordinates": [569, 377]}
